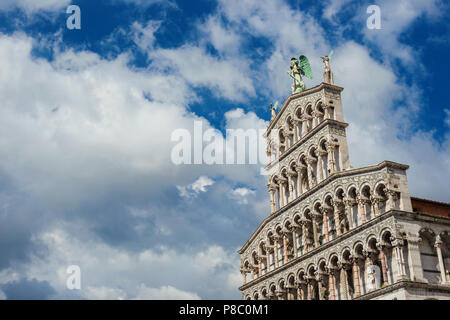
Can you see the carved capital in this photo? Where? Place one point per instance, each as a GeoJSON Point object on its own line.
{"type": "Point", "coordinates": [438, 242]}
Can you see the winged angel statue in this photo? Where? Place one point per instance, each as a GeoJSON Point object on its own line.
{"type": "Point", "coordinates": [299, 67]}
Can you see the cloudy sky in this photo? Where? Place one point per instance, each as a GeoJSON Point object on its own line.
{"type": "Point", "coordinates": [86, 118]}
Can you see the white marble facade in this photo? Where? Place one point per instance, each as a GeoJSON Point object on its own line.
{"type": "Point", "coordinates": [337, 233]}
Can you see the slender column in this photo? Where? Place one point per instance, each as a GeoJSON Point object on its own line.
{"type": "Point", "coordinates": [319, 167]}
{"type": "Point", "coordinates": [275, 252]}
{"type": "Point", "coordinates": [325, 225]}
{"type": "Point", "coordinates": [308, 288]}
{"type": "Point", "coordinates": [398, 246]}
{"type": "Point", "coordinates": [311, 178]}
{"type": "Point", "coordinates": [415, 266]}
{"type": "Point", "coordinates": [375, 206]}
{"type": "Point", "coordinates": [382, 258]}
{"type": "Point", "coordinates": [283, 191]}
{"type": "Point", "coordinates": [299, 292]}
{"type": "Point", "coordinates": [295, 130]}
{"type": "Point", "coordinates": [344, 283]}
{"type": "Point", "coordinates": [290, 189]}
{"type": "Point", "coordinates": [259, 268]}
{"type": "Point", "coordinates": [273, 206]}
{"type": "Point", "coordinates": [319, 287]}
{"type": "Point", "coordinates": [280, 196]}
{"type": "Point", "coordinates": [267, 259]}
{"type": "Point", "coordinates": [314, 119]}
{"type": "Point", "coordinates": [304, 235]}
{"type": "Point", "coordinates": [285, 252]}
{"type": "Point", "coordinates": [438, 245]}
{"type": "Point", "coordinates": [331, 159]}
{"type": "Point", "coordinates": [244, 277]}
{"type": "Point", "coordinates": [316, 237]}
{"type": "Point", "coordinates": [348, 211]}
{"type": "Point", "coordinates": [337, 220]}
{"type": "Point", "coordinates": [356, 278]}
{"type": "Point", "coordinates": [306, 126]}
{"type": "Point", "coordinates": [362, 211]}
{"type": "Point", "coordinates": [331, 284]}
{"type": "Point", "coordinates": [299, 170]}
{"type": "Point", "coordinates": [294, 240]}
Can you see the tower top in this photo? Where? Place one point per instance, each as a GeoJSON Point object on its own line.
{"type": "Point", "coordinates": [328, 92]}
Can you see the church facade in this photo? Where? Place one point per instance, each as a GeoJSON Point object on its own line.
{"type": "Point", "coordinates": [336, 232]}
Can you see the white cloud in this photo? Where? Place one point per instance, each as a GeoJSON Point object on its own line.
{"type": "Point", "coordinates": [225, 40]}
{"type": "Point", "coordinates": [164, 293]}
{"type": "Point", "coordinates": [31, 6]}
{"type": "Point", "coordinates": [144, 36]}
{"type": "Point", "coordinates": [226, 78]}
{"type": "Point", "coordinates": [113, 273]}
{"type": "Point", "coordinates": [82, 127]}
{"type": "Point", "coordinates": [193, 189]}
{"type": "Point", "coordinates": [241, 195]}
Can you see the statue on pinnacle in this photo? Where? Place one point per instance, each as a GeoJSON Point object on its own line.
{"type": "Point", "coordinates": [327, 73]}
{"type": "Point", "coordinates": [299, 67]}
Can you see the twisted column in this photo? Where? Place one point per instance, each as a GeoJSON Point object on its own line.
{"type": "Point", "coordinates": [285, 252]}
{"type": "Point", "coordinates": [294, 240]}
{"type": "Point", "coordinates": [356, 277]}
{"type": "Point", "coordinates": [337, 220]}
{"type": "Point", "coordinates": [362, 210]}
{"type": "Point", "coordinates": [275, 252]}
{"type": "Point", "coordinates": [325, 224]}
{"type": "Point", "coordinates": [331, 284]}
{"type": "Point", "coordinates": [382, 258]}
{"type": "Point", "coordinates": [315, 233]}
{"type": "Point", "coordinates": [344, 281]}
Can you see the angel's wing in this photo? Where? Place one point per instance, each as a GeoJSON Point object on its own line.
{"type": "Point", "coordinates": [330, 54]}
{"type": "Point", "coordinates": [305, 67]}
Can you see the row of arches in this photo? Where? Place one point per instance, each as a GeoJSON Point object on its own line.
{"type": "Point", "coordinates": [317, 223]}
{"type": "Point", "coordinates": [355, 270]}
{"type": "Point", "coordinates": [305, 172]}
{"type": "Point", "coordinates": [297, 124]}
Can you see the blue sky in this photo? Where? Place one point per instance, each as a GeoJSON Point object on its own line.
{"type": "Point", "coordinates": [87, 115]}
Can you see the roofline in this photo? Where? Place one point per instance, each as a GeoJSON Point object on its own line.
{"type": "Point", "coordinates": [439, 203]}
{"type": "Point", "coordinates": [331, 178]}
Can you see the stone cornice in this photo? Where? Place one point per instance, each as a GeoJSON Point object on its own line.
{"type": "Point", "coordinates": [298, 95]}
{"type": "Point", "coordinates": [322, 184]}
{"type": "Point", "coordinates": [426, 217]}
{"type": "Point", "coordinates": [405, 284]}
